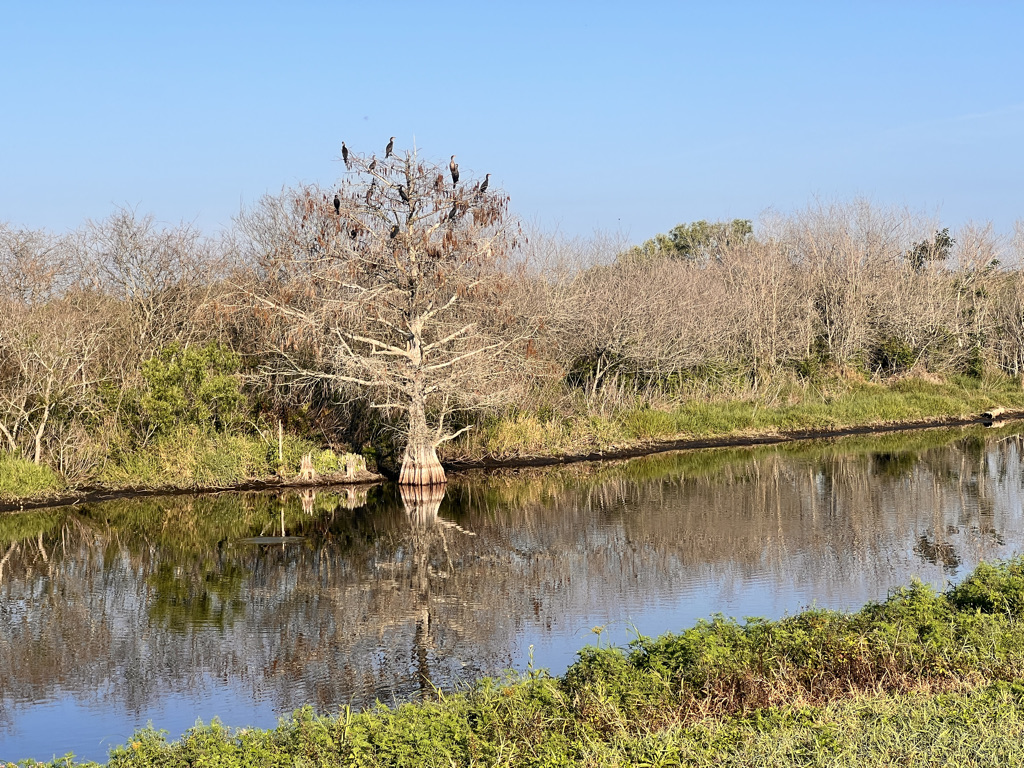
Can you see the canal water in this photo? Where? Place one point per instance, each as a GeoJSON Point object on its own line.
{"type": "Point", "coordinates": [246, 606]}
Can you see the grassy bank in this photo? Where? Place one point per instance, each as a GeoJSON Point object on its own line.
{"type": "Point", "coordinates": [579, 427]}
{"type": "Point", "coordinates": [189, 457]}
{"type": "Point", "coordinates": [183, 458]}
{"type": "Point", "coordinates": [920, 679]}
{"type": "Point", "coordinates": [20, 478]}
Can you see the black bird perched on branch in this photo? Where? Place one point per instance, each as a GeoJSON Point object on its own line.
{"type": "Point", "coordinates": [344, 155]}
{"type": "Point", "coordinates": [394, 231]}
{"type": "Point", "coordinates": [373, 164]}
{"type": "Point", "coordinates": [403, 194]}
{"type": "Point", "coordinates": [370, 190]}
{"type": "Point", "coordinates": [486, 181]}
{"type": "Point", "coordinates": [337, 203]}
{"type": "Point", "coordinates": [454, 167]}
{"type": "Point", "coordinates": [390, 146]}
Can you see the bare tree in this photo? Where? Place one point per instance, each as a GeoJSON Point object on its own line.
{"type": "Point", "coordinates": [395, 285]}
{"type": "Point", "coordinates": [50, 339]}
{"type": "Point", "coordinates": [161, 277]}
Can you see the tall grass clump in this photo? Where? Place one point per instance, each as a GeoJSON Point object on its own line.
{"type": "Point", "coordinates": [21, 477]}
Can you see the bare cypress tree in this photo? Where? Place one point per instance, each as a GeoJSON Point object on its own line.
{"type": "Point", "coordinates": [397, 288]}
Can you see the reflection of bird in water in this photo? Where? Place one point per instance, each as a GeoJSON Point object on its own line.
{"type": "Point", "coordinates": [390, 146]}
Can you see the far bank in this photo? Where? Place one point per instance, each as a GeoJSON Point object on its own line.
{"type": "Point", "coordinates": [191, 459]}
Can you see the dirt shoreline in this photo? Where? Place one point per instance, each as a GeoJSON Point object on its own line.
{"type": "Point", "coordinates": [93, 494]}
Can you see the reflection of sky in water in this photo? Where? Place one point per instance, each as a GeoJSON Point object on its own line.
{"type": "Point", "coordinates": [71, 723]}
{"type": "Point", "coordinates": [787, 579]}
{"type": "Point", "coordinates": [127, 628]}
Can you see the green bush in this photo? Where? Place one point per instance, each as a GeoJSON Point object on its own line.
{"type": "Point", "coordinates": [193, 386]}
{"type": "Point", "coordinates": [992, 589]}
{"type": "Point", "coordinates": [893, 355]}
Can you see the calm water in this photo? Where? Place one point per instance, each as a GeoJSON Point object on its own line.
{"type": "Point", "coordinates": [247, 606]}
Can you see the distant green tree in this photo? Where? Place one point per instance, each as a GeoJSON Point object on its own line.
{"type": "Point", "coordinates": [938, 248]}
{"type": "Point", "coordinates": [701, 241]}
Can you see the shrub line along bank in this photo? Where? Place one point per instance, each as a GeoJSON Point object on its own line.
{"type": "Point", "coordinates": [616, 452]}
{"type": "Point", "coordinates": [920, 679]}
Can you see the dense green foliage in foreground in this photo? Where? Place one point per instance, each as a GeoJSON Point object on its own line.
{"type": "Point", "coordinates": [921, 679]}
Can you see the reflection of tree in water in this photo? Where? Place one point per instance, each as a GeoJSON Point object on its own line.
{"type": "Point", "coordinates": [895, 464]}
{"type": "Point", "coordinates": [421, 505]}
{"type": "Point", "coordinates": [207, 596]}
{"type": "Point", "coordinates": [383, 593]}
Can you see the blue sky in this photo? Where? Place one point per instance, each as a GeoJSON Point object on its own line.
{"type": "Point", "coordinates": [624, 117]}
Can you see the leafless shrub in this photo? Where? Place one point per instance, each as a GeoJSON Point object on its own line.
{"type": "Point", "coordinates": [162, 279]}
{"type": "Point", "coordinates": [51, 340]}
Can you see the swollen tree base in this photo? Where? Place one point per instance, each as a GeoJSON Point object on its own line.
{"type": "Point", "coordinates": [420, 466]}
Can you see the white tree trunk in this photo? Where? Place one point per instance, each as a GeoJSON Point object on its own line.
{"type": "Point", "coordinates": [420, 465]}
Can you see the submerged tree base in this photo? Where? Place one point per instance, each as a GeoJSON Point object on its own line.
{"type": "Point", "coordinates": [920, 679]}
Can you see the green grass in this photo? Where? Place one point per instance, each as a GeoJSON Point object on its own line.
{"type": "Point", "coordinates": [20, 477]}
{"type": "Point", "coordinates": [920, 679]}
{"type": "Point", "coordinates": [191, 457]}
{"type": "Point", "coordinates": [839, 403]}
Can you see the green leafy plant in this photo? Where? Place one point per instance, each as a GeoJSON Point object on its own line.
{"type": "Point", "coordinates": [192, 386]}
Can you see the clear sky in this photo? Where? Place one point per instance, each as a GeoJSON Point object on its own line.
{"type": "Point", "coordinates": [628, 117]}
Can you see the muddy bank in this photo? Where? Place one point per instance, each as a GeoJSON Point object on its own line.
{"type": "Point", "coordinates": [633, 450]}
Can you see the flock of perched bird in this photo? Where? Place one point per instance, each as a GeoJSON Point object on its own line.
{"type": "Point", "coordinates": [388, 152]}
